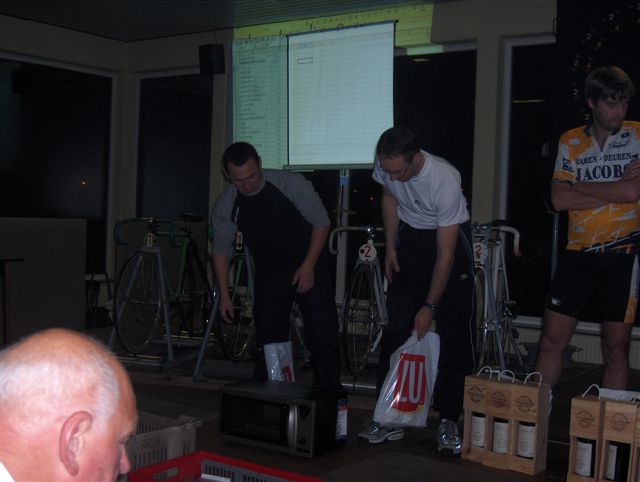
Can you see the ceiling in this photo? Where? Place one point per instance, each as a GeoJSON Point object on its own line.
{"type": "Point", "coordinates": [132, 20]}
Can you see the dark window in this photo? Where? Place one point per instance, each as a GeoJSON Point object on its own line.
{"type": "Point", "coordinates": [530, 169]}
{"type": "Point", "coordinates": [174, 145]}
{"type": "Point", "coordinates": [434, 95]}
{"type": "Point", "coordinates": [54, 148]}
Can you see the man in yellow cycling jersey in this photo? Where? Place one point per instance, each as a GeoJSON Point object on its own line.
{"type": "Point", "coordinates": [596, 181]}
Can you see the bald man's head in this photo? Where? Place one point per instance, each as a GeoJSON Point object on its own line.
{"type": "Point", "coordinates": [59, 383]}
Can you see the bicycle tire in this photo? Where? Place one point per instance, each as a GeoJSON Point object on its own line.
{"type": "Point", "coordinates": [196, 296]}
{"type": "Point", "coordinates": [137, 303]}
{"type": "Point", "coordinates": [236, 337]}
{"type": "Point", "coordinates": [360, 319]}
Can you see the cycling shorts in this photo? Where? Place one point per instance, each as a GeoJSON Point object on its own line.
{"type": "Point", "coordinates": [611, 279]}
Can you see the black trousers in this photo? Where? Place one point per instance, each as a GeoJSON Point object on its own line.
{"type": "Point", "coordinates": [416, 250]}
{"type": "Point", "coordinates": [274, 296]}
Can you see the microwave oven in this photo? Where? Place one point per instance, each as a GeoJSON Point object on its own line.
{"type": "Point", "coordinates": [288, 417]}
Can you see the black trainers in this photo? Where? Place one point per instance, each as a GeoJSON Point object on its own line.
{"type": "Point", "coordinates": [449, 440]}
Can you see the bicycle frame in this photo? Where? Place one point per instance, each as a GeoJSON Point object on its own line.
{"type": "Point", "coordinates": [248, 259]}
{"type": "Point", "coordinates": [187, 245]}
{"type": "Point", "coordinates": [378, 286]}
{"type": "Point", "coordinates": [236, 288]}
{"type": "Point", "coordinates": [489, 259]}
{"type": "Point", "coordinates": [367, 255]}
{"type": "Point", "coordinates": [150, 245]}
{"type": "Point", "coordinates": [167, 295]}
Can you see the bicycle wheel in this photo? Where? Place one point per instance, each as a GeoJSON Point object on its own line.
{"type": "Point", "coordinates": [360, 319]}
{"type": "Point", "coordinates": [137, 304]}
{"type": "Point", "coordinates": [196, 296]}
{"type": "Point", "coordinates": [236, 337]}
{"type": "Point", "coordinates": [299, 344]}
{"type": "Point", "coordinates": [507, 310]}
{"type": "Point", "coordinates": [481, 332]}
{"type": "Point", "coordinates": [490, 331]}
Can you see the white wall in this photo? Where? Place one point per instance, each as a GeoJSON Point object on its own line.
{"type": "Point", "coordinates": [47, 43]}
{"type": "Point", "coordinates": [488, 22]}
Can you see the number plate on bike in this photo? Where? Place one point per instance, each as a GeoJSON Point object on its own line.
{"type": "Point", "coordinates": [480, 252]}
{"type": "Point", "coordinates": [367, 252]}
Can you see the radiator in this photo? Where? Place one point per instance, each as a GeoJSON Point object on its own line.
{"type": "Point", "coordinates": [586, 337]}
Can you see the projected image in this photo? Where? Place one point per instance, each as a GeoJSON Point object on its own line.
{"type": "Point", "coordinates": [340, 87]}
{"type": "Point", "coordinates": [315, 99]}
{"type": "Point", "coordinates": [260, 97]}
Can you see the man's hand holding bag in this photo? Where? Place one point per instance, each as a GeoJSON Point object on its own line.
{"type": "Point", "coordinates": [406, 394]}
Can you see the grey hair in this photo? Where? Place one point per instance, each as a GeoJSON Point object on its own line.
{"type": "Point", "coordinates": [41, 389]}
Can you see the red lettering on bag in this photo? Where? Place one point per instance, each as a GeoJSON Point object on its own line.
{"type": "Point", "coordinates": [411, 386]}
{"type": "Point", "coordinates": [286, 373]}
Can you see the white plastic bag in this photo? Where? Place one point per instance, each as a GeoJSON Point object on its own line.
{"type": "Point", "coordinates": [279, 359]}
{"type": "Point", "coordinates": [406, 394]}
{"type": "Point", "coordinates": [613, 394]}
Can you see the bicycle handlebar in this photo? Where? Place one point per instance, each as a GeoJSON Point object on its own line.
{"type": "Point", "coordinates": [152, 225]}
{"type": "Point", "coordinates": [370, 230]}
{"type": "Point", "coordinates": [499, 225]}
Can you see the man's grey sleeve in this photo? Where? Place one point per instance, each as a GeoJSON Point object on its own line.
{"type": "Point", "coordinates": [224, 229]}
{"type": "Point", "coordinates": [303, 196]}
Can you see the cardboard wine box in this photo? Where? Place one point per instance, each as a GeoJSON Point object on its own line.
{"type": "Point", "coordinates": [585, 432]}
{"type": "Point", "coordinates": [498, 440]}
{"type": "Point", "coordinates": [635, 454]}
{"type": "Point", "coordinates": [475, 417]}
{"type": "Point", "coordinates": [529, 427]}
{"type": "Point", "coordinates": [618, 436]}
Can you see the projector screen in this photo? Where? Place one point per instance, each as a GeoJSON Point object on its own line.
{"type": "Point", "coordinates": [260, 96]}
{"type": "Point", "coordinates": [340, 91]}
{"type": "Point", "coordinates": [317, 99]}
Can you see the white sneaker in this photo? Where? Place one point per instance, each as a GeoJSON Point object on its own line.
{"type": "Point", "coordinates": [375, 433]}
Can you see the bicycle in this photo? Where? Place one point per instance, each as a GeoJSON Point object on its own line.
{"type": "Point", "coordinates": [494, 308]}
{"type": "Point", "coordinates": [144, 297]}
{"type": "Point", "coordinates": [363, 314]}
{"type": "Point", "coordinates": [236, 337]}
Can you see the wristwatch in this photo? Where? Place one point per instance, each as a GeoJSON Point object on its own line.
{"type": "Point", "coordinates": [432, 306]}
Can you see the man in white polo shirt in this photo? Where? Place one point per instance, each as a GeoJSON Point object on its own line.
{"type": "Point", "coordinates": [429, 268]}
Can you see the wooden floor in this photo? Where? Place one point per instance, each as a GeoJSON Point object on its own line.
{"type": "Point", "coordinates": [413, 458]}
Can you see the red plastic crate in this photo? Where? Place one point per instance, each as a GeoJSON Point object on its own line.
{"type": "Point", "coordinates": [194, 468]}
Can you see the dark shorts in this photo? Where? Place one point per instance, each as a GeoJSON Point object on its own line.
{"type": "Point", "coordinates": [611, 279]}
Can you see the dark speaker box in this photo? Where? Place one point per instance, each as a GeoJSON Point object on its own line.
{"type": "Point", "coordinates": [212, 59]}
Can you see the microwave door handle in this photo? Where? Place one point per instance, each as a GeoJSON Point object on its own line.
{"type": "Point", "coordinates": [292, 426]}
